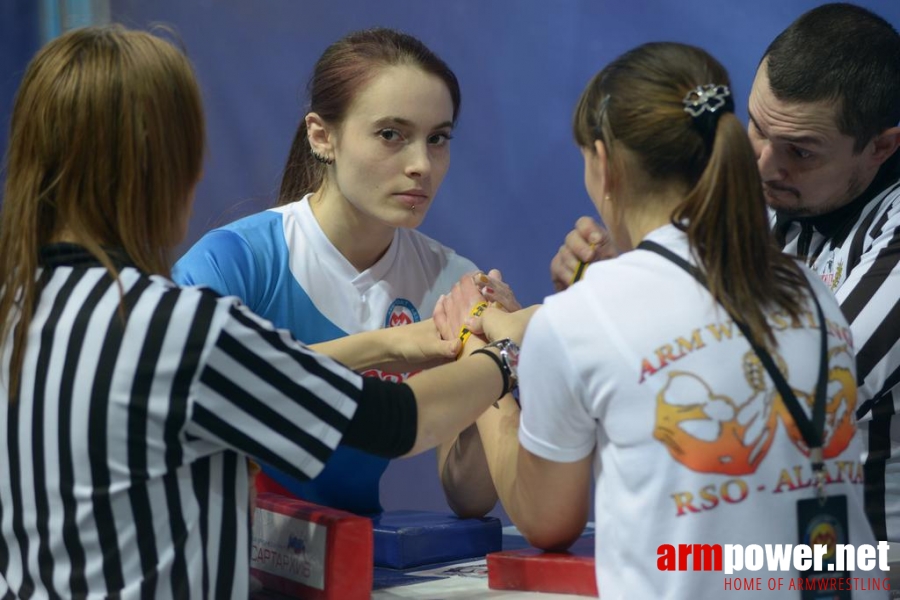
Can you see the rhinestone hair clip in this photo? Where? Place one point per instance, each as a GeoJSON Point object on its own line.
{"type": "Point", "coordinates": [708, 98]}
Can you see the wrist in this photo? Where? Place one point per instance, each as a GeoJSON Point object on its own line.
{"type": "Point", "coordinates": [505, 353]}
{"type": "Point", "coordinates": [472, 344]}
{"type": "Point", "coordinates": [495, 357]}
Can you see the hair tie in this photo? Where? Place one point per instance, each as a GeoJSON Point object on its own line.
{"type": "Point", "coordinates": [705, 103]}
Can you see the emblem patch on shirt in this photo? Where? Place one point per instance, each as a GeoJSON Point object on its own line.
{"type": "Point", "coordinates": [401, 312]}
{"type": "Point", "coordinates": [832, 273]}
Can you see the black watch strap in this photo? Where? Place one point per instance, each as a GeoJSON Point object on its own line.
{"type": "Point", "coordinates": [504, 370]}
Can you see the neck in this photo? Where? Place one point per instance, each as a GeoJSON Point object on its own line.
{"type": "Point", "coordinates": [357, 236]}
{"type": "Point", "coordinates": [655, 211]}
{"type": "Point", "coordinates": [65, 236]}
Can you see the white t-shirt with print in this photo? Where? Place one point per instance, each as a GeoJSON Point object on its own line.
{"type": "Point", "coordinates": [638, 365]}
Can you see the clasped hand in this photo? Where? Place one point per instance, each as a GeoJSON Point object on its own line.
{"type": "Point", "coordinates": [502, 318]}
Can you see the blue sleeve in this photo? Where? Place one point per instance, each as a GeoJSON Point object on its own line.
{"type": "Point", "coordinates": [224, 261]}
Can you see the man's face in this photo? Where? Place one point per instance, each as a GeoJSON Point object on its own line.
{"type": "Point", "coordinates": [807, 165]}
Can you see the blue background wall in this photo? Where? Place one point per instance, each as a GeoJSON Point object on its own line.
{"type": "Point", "coordinates": [516, 183]}
{"type": "Point", "coordinates": [20, 34]}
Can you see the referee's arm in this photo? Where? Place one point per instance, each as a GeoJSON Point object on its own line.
{"type": "Point", "coordinates": [262, 393]}
{"type": "Point", "coordinates": [266, 395]}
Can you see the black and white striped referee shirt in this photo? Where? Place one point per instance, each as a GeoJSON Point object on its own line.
{"type": "Point", "coordinates": [856, 251]}
{"type": "Point", "coordinates": [122, 471]}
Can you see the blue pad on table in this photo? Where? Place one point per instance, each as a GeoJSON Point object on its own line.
{"type": "Point", "coordinates": [411, 538]}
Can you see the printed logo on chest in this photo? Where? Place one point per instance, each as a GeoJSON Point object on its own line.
{"type": "Point", "coordinates": [401, 312]}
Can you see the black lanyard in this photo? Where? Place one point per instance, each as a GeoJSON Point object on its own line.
{"type": "Point", "coordinates": [813, 429]}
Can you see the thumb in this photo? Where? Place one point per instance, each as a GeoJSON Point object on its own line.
{"type": "Point", "coordinates": [450, 348]}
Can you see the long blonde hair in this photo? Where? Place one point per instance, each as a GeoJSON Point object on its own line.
{"type": "Point", "coordinates": [106, 145]}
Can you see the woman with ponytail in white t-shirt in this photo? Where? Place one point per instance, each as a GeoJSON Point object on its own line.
{"type": "Point", "coordinates": [640, 382]}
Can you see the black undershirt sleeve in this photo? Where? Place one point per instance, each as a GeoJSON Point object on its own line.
{"type": "Point", "coordinates": [385, 420]}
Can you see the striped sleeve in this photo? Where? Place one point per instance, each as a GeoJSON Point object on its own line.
{"type": "Point", "coordinates": [264, 394]}
{"type": "Point", "coordinates": [870, 300]}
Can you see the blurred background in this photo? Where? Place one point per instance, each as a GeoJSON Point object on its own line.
{"type": "Point", "coordinates": [515, 187]}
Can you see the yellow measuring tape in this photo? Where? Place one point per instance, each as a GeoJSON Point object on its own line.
{"type": "Point", "coordinates": [465, 332]}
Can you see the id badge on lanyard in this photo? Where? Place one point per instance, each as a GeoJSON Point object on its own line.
{"type": "Point", "coordinates": [826, 524]}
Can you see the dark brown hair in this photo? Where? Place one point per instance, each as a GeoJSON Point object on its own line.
{"type": "Point", "coordinates": [636, 103]}
{"type": "Point", "coordinates": [339, 74]}
{"type": "Point", "coordinates": [106, 143]}
{"type": "Point", "coordinates": [845, 54]}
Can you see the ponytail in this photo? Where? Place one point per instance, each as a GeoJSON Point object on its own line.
{"type": "Point", "coordinates": [669, 105]}
{"type": "Point", "coordinates": [302, 173]}
{"type": "Point", "coordinates": [725, 219]}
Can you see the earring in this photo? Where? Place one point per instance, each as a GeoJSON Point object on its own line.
{"type": "Point", "coordinates": [322, 159]}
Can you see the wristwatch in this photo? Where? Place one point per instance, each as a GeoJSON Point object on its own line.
{"type": "Point", "coordinates": [509, 358]}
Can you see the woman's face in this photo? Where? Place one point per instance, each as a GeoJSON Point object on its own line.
{"type": "Point", "coordinates": [391, 151]}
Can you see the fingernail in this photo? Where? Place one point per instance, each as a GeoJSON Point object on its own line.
{"type": "Point", "coordinates": [489, 290]}
{"type": "Point", "coordinates": [595, 237]}
{"type": "Point", "coordinates": [483, 278]}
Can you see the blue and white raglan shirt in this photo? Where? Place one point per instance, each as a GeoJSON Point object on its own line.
{"type": "Point", "coordinates": [281, 264]}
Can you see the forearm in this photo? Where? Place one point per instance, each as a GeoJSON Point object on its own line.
{"type": "Point", "coordinates": [522, 492]}
{"type": "Point", "coordinates": [403, 349]}
{"type": "Point", "coordinates": [465, 475]}
{"type": "Point", "coordinates": [360, 351]}
{"type": "Point", "coordinates": [443, 401]}
{"type": "Point", "coordinates": [450, 398]}
{"type": "Point", "coordinates": [549, 501]}
{"type": "Point", "coordinates": [498, 436]}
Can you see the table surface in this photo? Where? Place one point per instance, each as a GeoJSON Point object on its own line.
{"type": "Point", "coordinates": [452, 581]}
{"type": "Point", "coordinates": [461, 580]}
{"type": "Point", "coordinates": [469, 579]}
